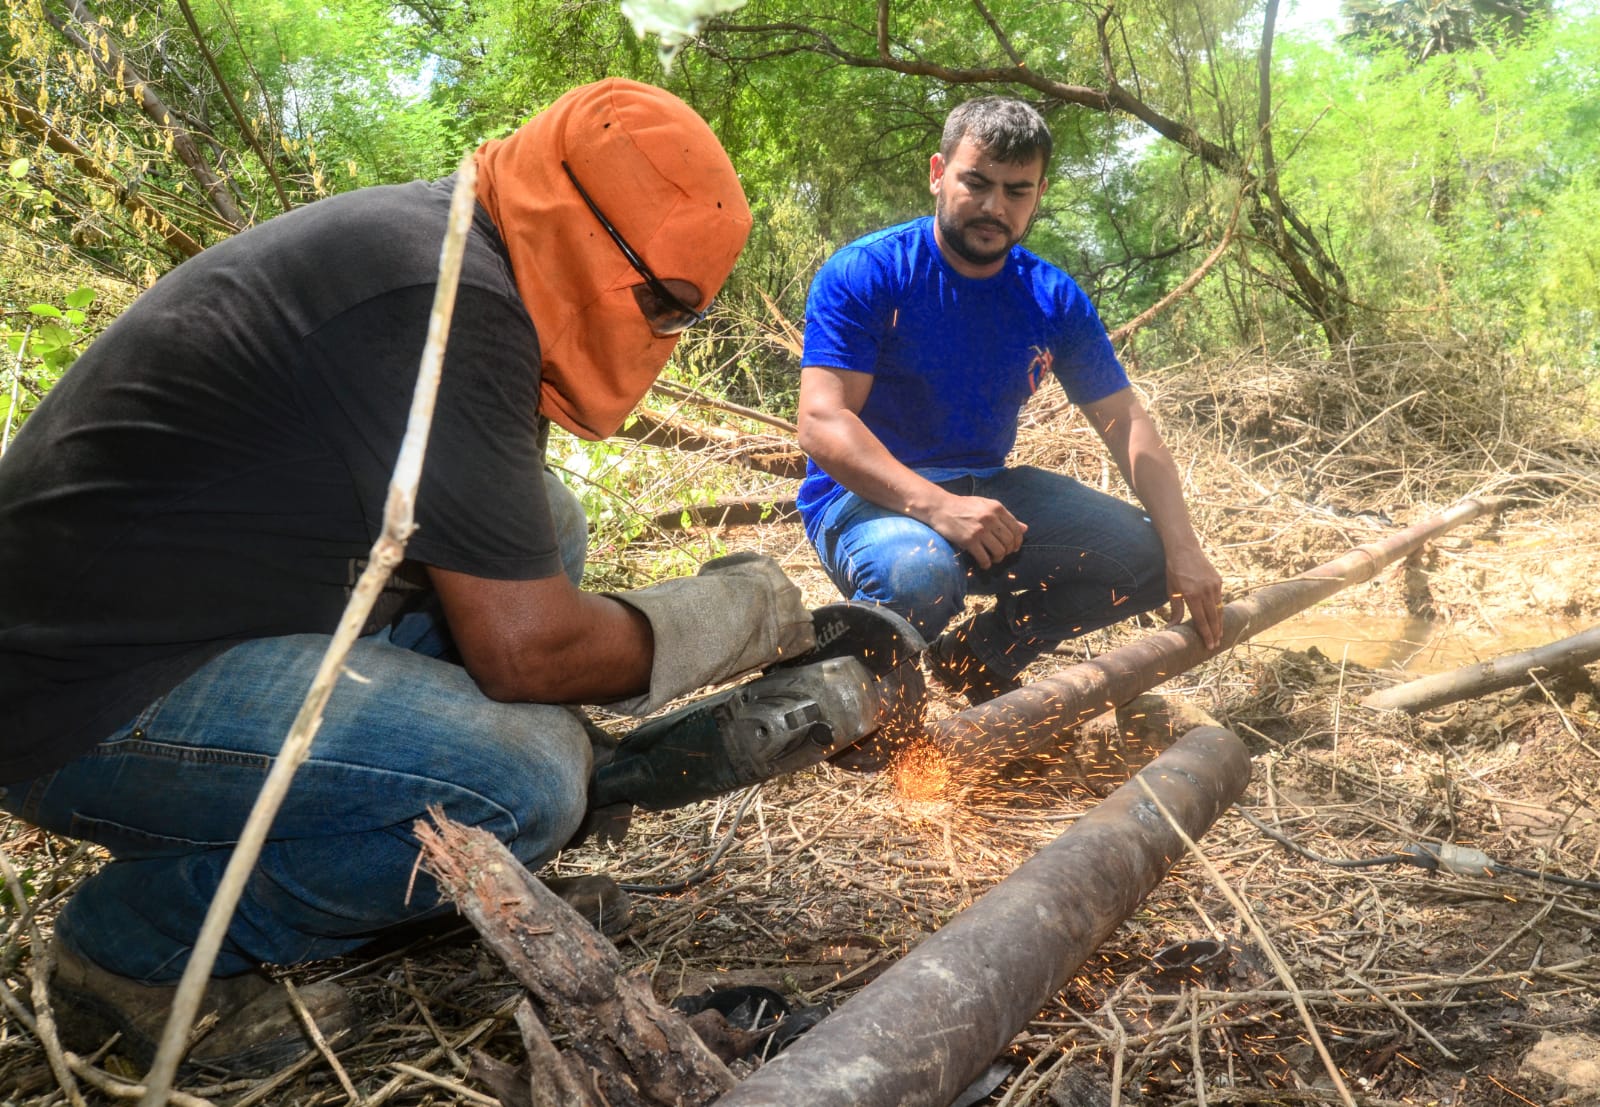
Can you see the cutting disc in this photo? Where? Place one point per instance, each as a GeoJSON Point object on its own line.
{"type": "Point", "coordinates": [889, 647]}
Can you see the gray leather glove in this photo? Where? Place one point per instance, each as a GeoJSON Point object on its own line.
{"type": "Point", "coordinates": [737, 614]}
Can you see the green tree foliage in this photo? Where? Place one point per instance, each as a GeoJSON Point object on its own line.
{"type": "Point", "coordinates": [1463, 187]}
{"type": "Point", "coordinates": [1360, 184]}
{"type": "Point", "coordinates": [1423, 28]}
{"type": "Point", "coordinates": [1117, 82]}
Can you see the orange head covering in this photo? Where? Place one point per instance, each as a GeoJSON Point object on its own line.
{"type": "Point", "coordinates": [662, 179]}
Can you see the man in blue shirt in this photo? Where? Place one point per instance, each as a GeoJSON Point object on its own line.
{"type": "Point", "coordinates": [922, 343]}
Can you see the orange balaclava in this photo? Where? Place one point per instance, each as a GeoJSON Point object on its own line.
{"type": "Point", "coordinates": [662, 179]}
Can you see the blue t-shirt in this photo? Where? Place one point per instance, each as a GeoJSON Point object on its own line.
{"type": "Point", "coordinates": [953, 358]}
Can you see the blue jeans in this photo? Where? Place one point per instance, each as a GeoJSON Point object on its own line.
{"type": "Point", "coordinates": [1088, 560]}
{"type": "Point", "coordinates": [168, 793]}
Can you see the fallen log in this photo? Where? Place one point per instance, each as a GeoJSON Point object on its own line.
{"type": "Point", "coordinates": [1484, 677]}
{"type": "Point", "coordinates": [739, 512]}
{"type": "Point", "coordinates": [1036, 715]}
{"type": "Point", "coordinates": [767, 454]}
{"type": "Point", "coordinates": [700, 399]}
{"type": "Point", "coordinates": [628, 1049]}
{"type": "Point", "coordinates": [922, 1031]}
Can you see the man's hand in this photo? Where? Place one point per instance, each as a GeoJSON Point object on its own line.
{"type": "Point", "coordinates": [982, 527]}
{"type": "Point", "coordinates": [1194, 582]}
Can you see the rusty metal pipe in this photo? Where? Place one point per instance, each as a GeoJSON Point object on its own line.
{"type": "Point", "coordinates": [1036, 715]}
{"type": "Point", "coordinates": [921, 1032]}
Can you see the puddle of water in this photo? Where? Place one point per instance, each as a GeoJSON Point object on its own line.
{"type": "Point", "coordinates": [1411, 644]}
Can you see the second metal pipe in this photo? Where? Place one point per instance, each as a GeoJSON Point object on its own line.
{"type": "Point", "coordinates": [1035, 715]}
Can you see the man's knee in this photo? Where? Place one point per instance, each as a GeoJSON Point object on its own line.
{"type": "Point", "coordinates": [522, 772]}
{"type": "Point", "coordinates": [928, 585]}
{"type": "Point", "coordinates": [907, 567]}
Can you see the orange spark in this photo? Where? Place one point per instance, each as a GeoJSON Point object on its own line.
{"type": "Point", "coordinates": [921, 773]}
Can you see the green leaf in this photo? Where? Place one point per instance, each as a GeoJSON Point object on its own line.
{"type": "Point", "coordinates": [81, 297]}
{"type": "Point", "coordinates": [18, 169]}
{"type": "Point", "coordinates": [47, 310]}
{"type": "Point", "coordinates": [49, 338]}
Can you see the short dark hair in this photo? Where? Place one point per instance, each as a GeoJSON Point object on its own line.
{"type": "Point", "coordinates": [1008, 130]}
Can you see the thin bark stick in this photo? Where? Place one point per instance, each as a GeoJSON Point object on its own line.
{"type": "Point", "coordinates": [387, 552]}
{"type": "Point", "coordinates": [321, 1042]}
{"type": "Point", "coordinates": [455, 1088]}
{"type": "Point", "coordinates": [700, 399]}
{"type": "Point", "coordinates": [43, 1023]}
{"type": "Point", "coordinates": [1505, 671]}
{"type": "Point", "coordinates": [120, 1089]}
{"type": "Point", "coordinates": [239, 117]}
{"type": "Point", "coordinates": [1122, 333]}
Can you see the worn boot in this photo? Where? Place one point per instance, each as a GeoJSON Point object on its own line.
{"type": "Point", "coordinates": [953, 664]}
{"type": "Point", "coordinates": [256, 1029]}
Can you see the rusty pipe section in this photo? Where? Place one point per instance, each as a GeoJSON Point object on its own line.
{"type": "Point", "coordinates": [921, 1032]}
{"type": "Point", "coordinates": [1037, 714]}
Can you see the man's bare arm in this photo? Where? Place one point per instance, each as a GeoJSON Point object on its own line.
{"type": "Point", "coordinates": [1136, 446]}
{"type": "Point", "coordinates": [544, 641]}
{"type": "Point", "coordinates": [831, 431]}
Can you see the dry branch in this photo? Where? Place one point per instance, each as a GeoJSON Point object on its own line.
{"type": "Point", "coordinates": [40, 127]}
{"type": "Point", "coordinates": [239, 118]}
{"type": "Point", "coordinates": [750, 451]}
{"type": "Point", "coordinates": [108, 57]}
{"type": "Point", "coordinates": [737, 512]}
{"type": "Point", "coordinates": [638, 1053]}
{"type": "Point", "coordinates": [1480, 679]}
{"type": "Point", "coordinates": [700, 399]}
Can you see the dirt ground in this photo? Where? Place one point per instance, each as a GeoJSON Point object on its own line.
{"type": "Point", "coordinates": [1419, 986]}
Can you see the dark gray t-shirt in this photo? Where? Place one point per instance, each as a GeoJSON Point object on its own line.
{"type": "Point", "coordinates": [214, 467]}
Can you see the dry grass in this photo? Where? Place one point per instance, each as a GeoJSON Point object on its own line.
{"type": "Point", "coordinates": [1428, 988]}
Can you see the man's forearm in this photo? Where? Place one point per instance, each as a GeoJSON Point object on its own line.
{"type": "Point", "coordinates": [1153, 475]}
{"type": "Point", "coordinates": [859, 462]}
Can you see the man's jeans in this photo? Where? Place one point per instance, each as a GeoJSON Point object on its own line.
{"type": "Point", "coordinates": [404, 730]}
{"type": "Point", "coordinates": [1088, 560]}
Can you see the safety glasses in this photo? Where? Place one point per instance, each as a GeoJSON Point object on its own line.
{"type": "Point", "coordinates": [670, 315]}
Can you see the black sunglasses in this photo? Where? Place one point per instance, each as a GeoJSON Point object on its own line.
{"type": "Point", "coordinates": [682, 316]}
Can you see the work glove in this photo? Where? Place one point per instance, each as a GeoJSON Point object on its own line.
{"type": "Point", "coordinates": [738, 614]}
